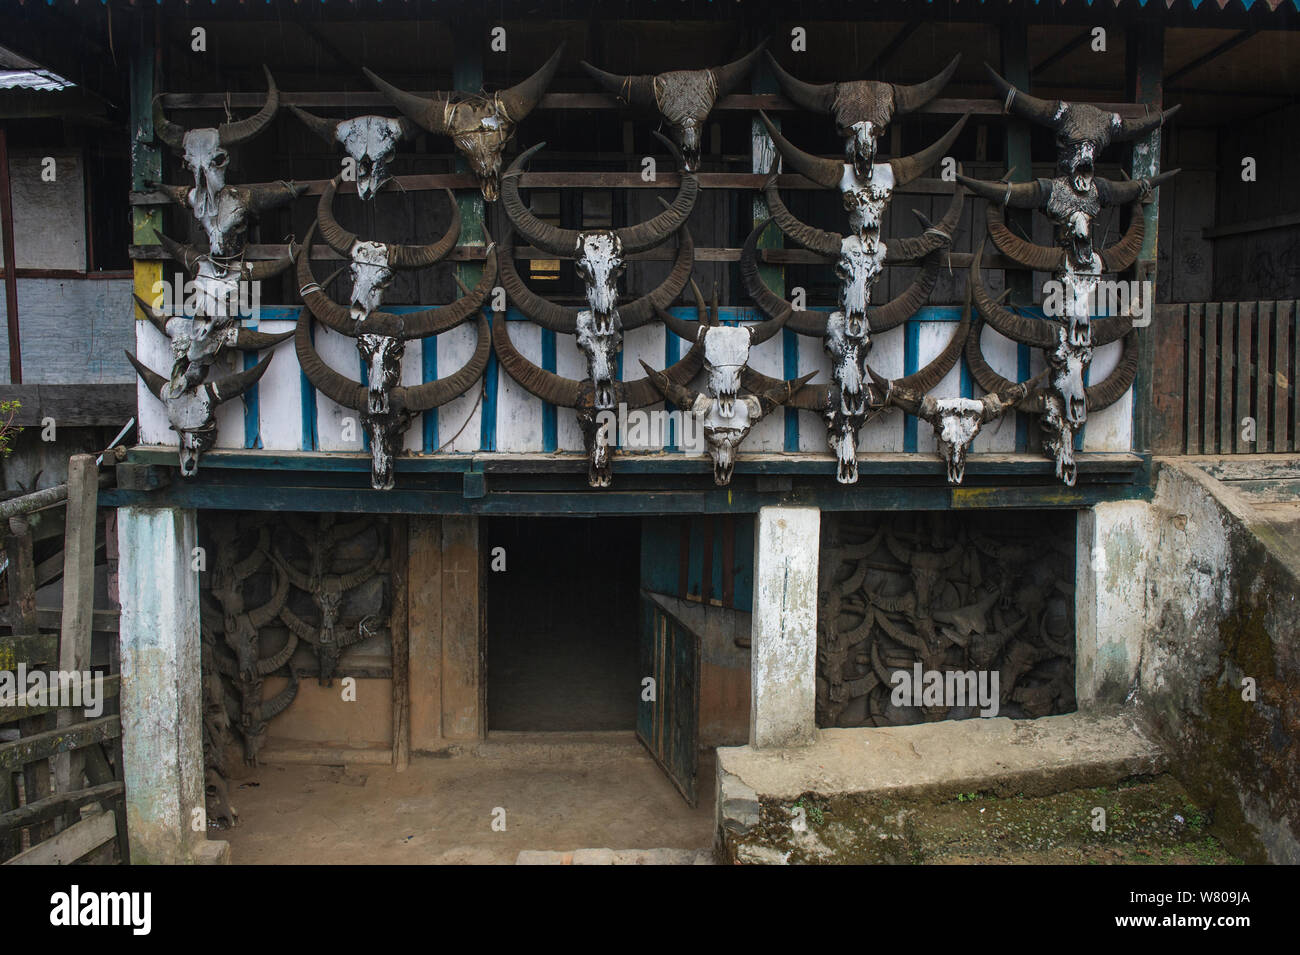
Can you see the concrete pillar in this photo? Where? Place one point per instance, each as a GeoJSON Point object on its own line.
{"type": "Point", "coordinates": [783, 650]}
{"type": "Point", "coordinates": [162, 698]}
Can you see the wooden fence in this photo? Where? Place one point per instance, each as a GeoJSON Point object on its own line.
{"type": "Point", "coordinates": [1224, 380]}
{"type": "Point", "coordinates": [61, 785]}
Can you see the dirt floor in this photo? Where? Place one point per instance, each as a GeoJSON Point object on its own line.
{"type": "Point", "coordinates": [558, 793]}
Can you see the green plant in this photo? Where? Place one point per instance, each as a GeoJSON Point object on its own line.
{"type": "Point", "coordinates": [8, 411]}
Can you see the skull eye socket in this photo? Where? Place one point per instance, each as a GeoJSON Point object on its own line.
{"type": "Point", "coordinates": [220, 158]}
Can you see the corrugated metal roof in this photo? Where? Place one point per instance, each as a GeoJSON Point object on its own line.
{"type": "Point", "coordinates": [40, 80]}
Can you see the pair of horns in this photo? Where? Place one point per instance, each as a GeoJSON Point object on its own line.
{"type": "Point", "coordinates": [640, 90]}
{"type": "Point", "coordinates": [570, 393]}
{"type": "Point", "coordinates": [189, 258]}
{"type": "Point", "coordinates": [1052, 113]}
{"type": "Point", "coordinates": [758, 333]}
{"type": "Point", "coordinates": [421, 324]}
{"type": "Point", "coordinates": [879, 318]}
{"type": "Point", "coordinates": [220, 391]}
{"type": "Point", "coordinates": [430, 114]}
{"type": "Point", "coordinates": [564, 318]}
{"type": "Point", "coordinates": [1033, 194]}
{"type": "Point", "coordinates": [828, 173]}
{"type": "Point", "coordinates": [1029, 396]}
{"type": "Point", "coordinates": [770, 392]}
{"type": "Point", "coordinates": [897, 250]}
{"type": "Point", "coordinates": [564, 242]}
{"type": "Point", "coordinates": [1033, 331]}
{"type": "Point", "coordinates": [328, 129]}
{"type": "Point", "coordinates": [822, 97]}
{"type": "Point", "coordinates": [409, 398]}
{"type": "Point", "coordinates": [247, 339]}
{"type": "Point", "coordinates": [228, 134]}
{"type": "Point", "coordinates": [399, 256]}
{"type": "Point", "coordinates": [1044, 258]}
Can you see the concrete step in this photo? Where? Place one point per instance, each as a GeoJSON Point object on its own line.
{"type": "Point", "coordinates": [617, 857]}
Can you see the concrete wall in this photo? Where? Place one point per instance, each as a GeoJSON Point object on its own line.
{"type": "Point", "coordinates": [1179, 599]}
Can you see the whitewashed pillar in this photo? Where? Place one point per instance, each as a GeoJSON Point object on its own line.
{"type": "Point", "coordinates": [784, 636]}
{"type": "Point", "coordinates": [162, 698]}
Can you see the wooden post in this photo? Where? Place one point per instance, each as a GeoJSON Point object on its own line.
{"type": "Point", "coordinates": [78, 601]}
{"type": "Point", "coordinates": [1014, 35]}
{"type": "Point", "coordinates": [146, 159]}
{"type": "Point", "coordinates": [1145, 53]}
{"type": "Point", "coordinates": [424, 633]}
{"type": "Point", "coordinates": [398, 626]}
{"type": "Point", "coordinates": [22, 618]}
{"type": "Point", "coordinates": [11, 264]}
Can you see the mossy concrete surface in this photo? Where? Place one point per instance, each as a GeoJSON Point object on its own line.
{"type": "Point", "coordinates": [1139, 820]}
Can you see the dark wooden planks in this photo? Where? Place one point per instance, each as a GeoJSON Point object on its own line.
{"type": "Point", "coordinates": [1227, 325]}
{"type": "Point", "coordinates": [1283, 317]}
{"type": "Point", "coordinates": [1242, 379]}
{"type": "Point", "coordinates": [1263, 378]}
{"type": "Point", "coordinates": [1195, 377]}
{"type": "Point", "coordinates": [1210, 351]}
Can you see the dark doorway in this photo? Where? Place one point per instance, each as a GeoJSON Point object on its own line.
{"type": "Point", "coordinates": [563, 623]}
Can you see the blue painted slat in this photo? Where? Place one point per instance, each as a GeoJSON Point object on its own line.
{"type": "Point", "coordinates": [309, 436]}
{"type": "Point", "coordinates": [252, 420]}
{"type": "Point", "coordinates": [550, 426]}
{"type": "Point", "coordinates": [429, 372]}
{"type": "Point", "coordinates": [911, 362]}
{"type": "Point", "coordinates": [673, 354]}
{"type": "Point", "coordinates": [790, 369]}
{"type": "Point", "coordinates": [488, 422]}
{"type": "Point", "coordinates": [1022, 420]}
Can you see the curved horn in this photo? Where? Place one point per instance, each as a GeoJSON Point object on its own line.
{"type": "Point", "coordinates": [336, 237]}
{"type": "Point", "coordinates": [263, 269]}
{"type": "Point", "coordinates": [280, 702]}
{"type": "Point", "coordinates": [637, 313]}
{"type": "Point", "coordinates": [184, 253]}
{"type": "Point", "coordinates": [907, 392]}
{"type": "Point", "coordinates": [328, 311]}
{"type": "Point", "coordinates": [232, 386]}
{"type": "Point", "coordinates": [170, 133]}
{"type": "Point", "coordinates": [1045, 258]}
{"type": "Point", "coordinates": [326, 129]}
{"type": "Point", "coordinates": [249, 340]}
{"type": "Point", "coordinates": [156, 318]}
{"type": "Point", "coordinates": [1109, 329]}
{"type": "Point", "coordinates": [359, 576]}
{"type": "Point", "coordinates": [935, 236]}
{"type": "Point", "coordinates": [271, 195]}
{"type": "Point", "coordinates": [440, 318]}
{"type": "Point", "coordinates": [520, 99]}
{"type": "Point", "coordinates": [910, 98]}
{"type": "Point", "coordinates": [431, 394]}
{"type": "Point", "coordinates": [1108, 391]}
{"type": "Point", "coordinates": [769, 399]}
{"type": "Point", "coordinates": [813, 239]}
{"type": "Point", "coordinates": [908, 168]}
{"type": "Point", "coordinates": [152, 380]}
{"type": "Point", "coordinates": [995, 384]}
{"type": "Point", "coordinates": [546, 385]}
{"type": "Point", "coordinates": [399, 256]}
{"type": "Point", "coordinates": [632, 90]}
{"type": "Point", "coordinates": [1017, 195]}
{"type": "Point", "coordinates": [908, 302]}
{"type": "Point", "coordinates": [827, 173]}
{"type": "Point", "coordinates": [683, 328]}
{"type": "Point", "coordinates": [1137, 128]}
{"type": "Point", "coordinates": [644, 391]}
{"type": "Point", "coordinates": [768, 302]}
{"type": "Point", "coordinates": [540, 234]}
{"type": "Point", "coordinates": [1130, 190]}
{"type": "Point", "coordinates": [264, 614]}
{"type": "Point", "coordinates": [808, 397]}
{"type": "Point", "coordinates": [428, 114]}
{"type": "Point", "coordinates": [647, 235]}
{"type": "Point", "coordinates": [232, 134]}
{"type": "Point", "coordinates": [814, 97]}
{"type": "Point", "coordinates": [728, 77]}
{"type": "Point", "coordinates": [678, 394]}
{"type": "Point", "coordinates": [1019, 328]}
{"type": "Point", "coordinates": [1121, 255]}
{"type": "Point", "coordinates": [336, 387]}
{"type": "Point", "coordinates": [1022, 104]}
{"type": "Point", "coordinates": [557, 318]}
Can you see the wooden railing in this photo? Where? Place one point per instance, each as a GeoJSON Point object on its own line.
{"type": "Point", "coordinates": [61, 779]}
{"type": "Point", "coordinates": [1224, 380]}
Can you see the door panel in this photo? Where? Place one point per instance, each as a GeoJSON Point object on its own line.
{"type": "Point", "coordinates": [668, 725]}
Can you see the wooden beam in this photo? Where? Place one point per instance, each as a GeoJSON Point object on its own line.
{"type": "Point", "coordinates": [72, 405]}
{"type": "Point", "coordinates": [1252, 225]}
{"type": "Point", "coordinates": [72, 843]}
{"type": "Point", "coordinates": [1214, 54]}
{"type": "Point", "coordinates": [112, 687]}
{"type": "Point", "coordinates": [20, 752]}
{"type": "Point", "coordinates": [1065, 50]}
{"type": "Point", "coordinates": [11, 263]}
{"type": "Point", "coordinates": [891, 48]}
{"type": "Point", "coordinates": [58, 804]}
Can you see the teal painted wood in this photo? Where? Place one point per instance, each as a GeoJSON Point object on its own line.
{"type": "Point", "coordinates": [429, 372]}
{"type": "Point", "coordinates": [911, 361]}
{"type": "Point", "coordinates": [668, 725]}
{"type": "Point", "coordinates": [790, 369]}
{"type": "Point", "coordinates": [252, 419]}
{"type": "Point", "coordinates": [550, 423]}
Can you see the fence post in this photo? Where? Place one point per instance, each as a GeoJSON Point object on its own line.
{"type": "Point", "coordinates": [78, 603]}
